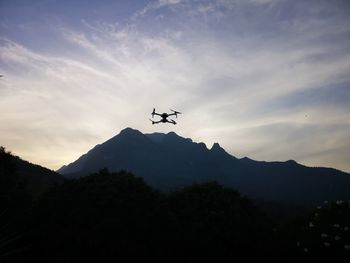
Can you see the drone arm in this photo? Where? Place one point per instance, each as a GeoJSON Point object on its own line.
{"type": "Point", "coordinates": [154, 113]}
{"type": "Point", "coordinates": [154, 122]}
{"type": "Point", "coordinates": [171, 121]}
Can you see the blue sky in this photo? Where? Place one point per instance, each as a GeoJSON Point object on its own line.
{"type": "Point", "coordinates": [267, 79]}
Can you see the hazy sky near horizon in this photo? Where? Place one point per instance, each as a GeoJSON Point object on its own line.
{"type": "Point", "coordinates": [267, 79]}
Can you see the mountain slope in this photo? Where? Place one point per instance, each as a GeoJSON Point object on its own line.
{"type": "Point", "coordinates": [168, 161]}
{"type": "Point", "coordinates": [32, 178]}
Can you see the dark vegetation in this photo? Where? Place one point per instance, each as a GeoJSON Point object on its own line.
{"type": "Point", "coordinates": [117, 217]}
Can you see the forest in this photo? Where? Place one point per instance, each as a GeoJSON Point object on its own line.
{"type": "Point", "coordinates": [116, 216]}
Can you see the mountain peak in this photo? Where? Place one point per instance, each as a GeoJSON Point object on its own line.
{"type": "Point", "coordinates": [129, 134]}
{"type": "Point", "coordinates": [173, 137]}
{"type": "Point", "coordinates": [216, 147]}
{"type": "Point", "coordinates": [173, 134]}
{"type": "Point", "coordinates": [128, 131]}
{"type": "Point", "coordinates": [126, 135]}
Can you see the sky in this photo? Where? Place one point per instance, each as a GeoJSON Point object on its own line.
{"type": "Point", "coordinates": [267, 79]}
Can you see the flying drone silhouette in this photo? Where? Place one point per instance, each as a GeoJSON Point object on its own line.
{"type": "Point", "coordinates": [164, 116]}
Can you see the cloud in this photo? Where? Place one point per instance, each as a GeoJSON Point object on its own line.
{"type": "Point", "coordinates": [264, 1]}
{"type": "Point", "coordinates": [154, 6]}
{"type": "Point", "coordinates": [245, 81]}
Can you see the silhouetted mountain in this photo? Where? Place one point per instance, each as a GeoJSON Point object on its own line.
{"type": "Point", "coordinates": [169, 161]}
{"type": "Point", "coordinates": [33, 179]}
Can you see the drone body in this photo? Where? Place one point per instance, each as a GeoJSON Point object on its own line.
{"type": "Point", "coordinates": [164, 117]}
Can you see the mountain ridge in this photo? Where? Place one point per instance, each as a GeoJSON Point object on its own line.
{"type": "Point", "coordinates": [169, 161]}
{"type": "Point", "coordinates": [31, 178]}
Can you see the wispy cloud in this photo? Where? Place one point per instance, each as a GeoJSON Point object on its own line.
{"type": "Point", "coordinates": [153, 6]}
{"type": "Point", "coordinates": [252, 82]}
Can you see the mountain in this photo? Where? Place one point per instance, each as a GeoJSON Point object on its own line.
{"type": "Point", "coordinates": [17, 173]}
{"type": "Point", "coordinates": [168, 161]}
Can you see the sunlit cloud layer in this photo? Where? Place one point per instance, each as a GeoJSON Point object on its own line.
{"type": "Point", "coordinates": [267, 79]}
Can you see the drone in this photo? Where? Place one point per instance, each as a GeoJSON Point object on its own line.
{"type": "Point", "coordinates": [164, 116]}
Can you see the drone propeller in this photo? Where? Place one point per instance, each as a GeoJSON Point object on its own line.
{"type": "Point", "coordinates": [153, 112]}
{"type": "Point", "coordinates": [176, 112]}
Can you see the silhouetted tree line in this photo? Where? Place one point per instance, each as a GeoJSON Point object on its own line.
{"type": "Point", "coordinates": [116, 216]}
{"type": "Point", "coordinates": [15, 204]}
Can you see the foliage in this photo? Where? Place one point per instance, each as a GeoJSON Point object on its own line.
{"type": "Point", "coordinates": [117, 216]}
{"type": "Point", "coordinates": [14, 204]}
{"type": "Point", "coordinates": [8, 174]}
{"type": "Point", "coordinates": [325, 235]}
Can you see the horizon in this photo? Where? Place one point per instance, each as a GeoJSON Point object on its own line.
{"type": "Point", "coordinates": [266, 79]}
{"type": "Point", "coordinates": [208, 147]}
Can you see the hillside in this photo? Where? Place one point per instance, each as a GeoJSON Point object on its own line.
{"type": "Point", "coordinates": [169, 161]}
{"type": "Point", "coordinates": [30, 178]}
